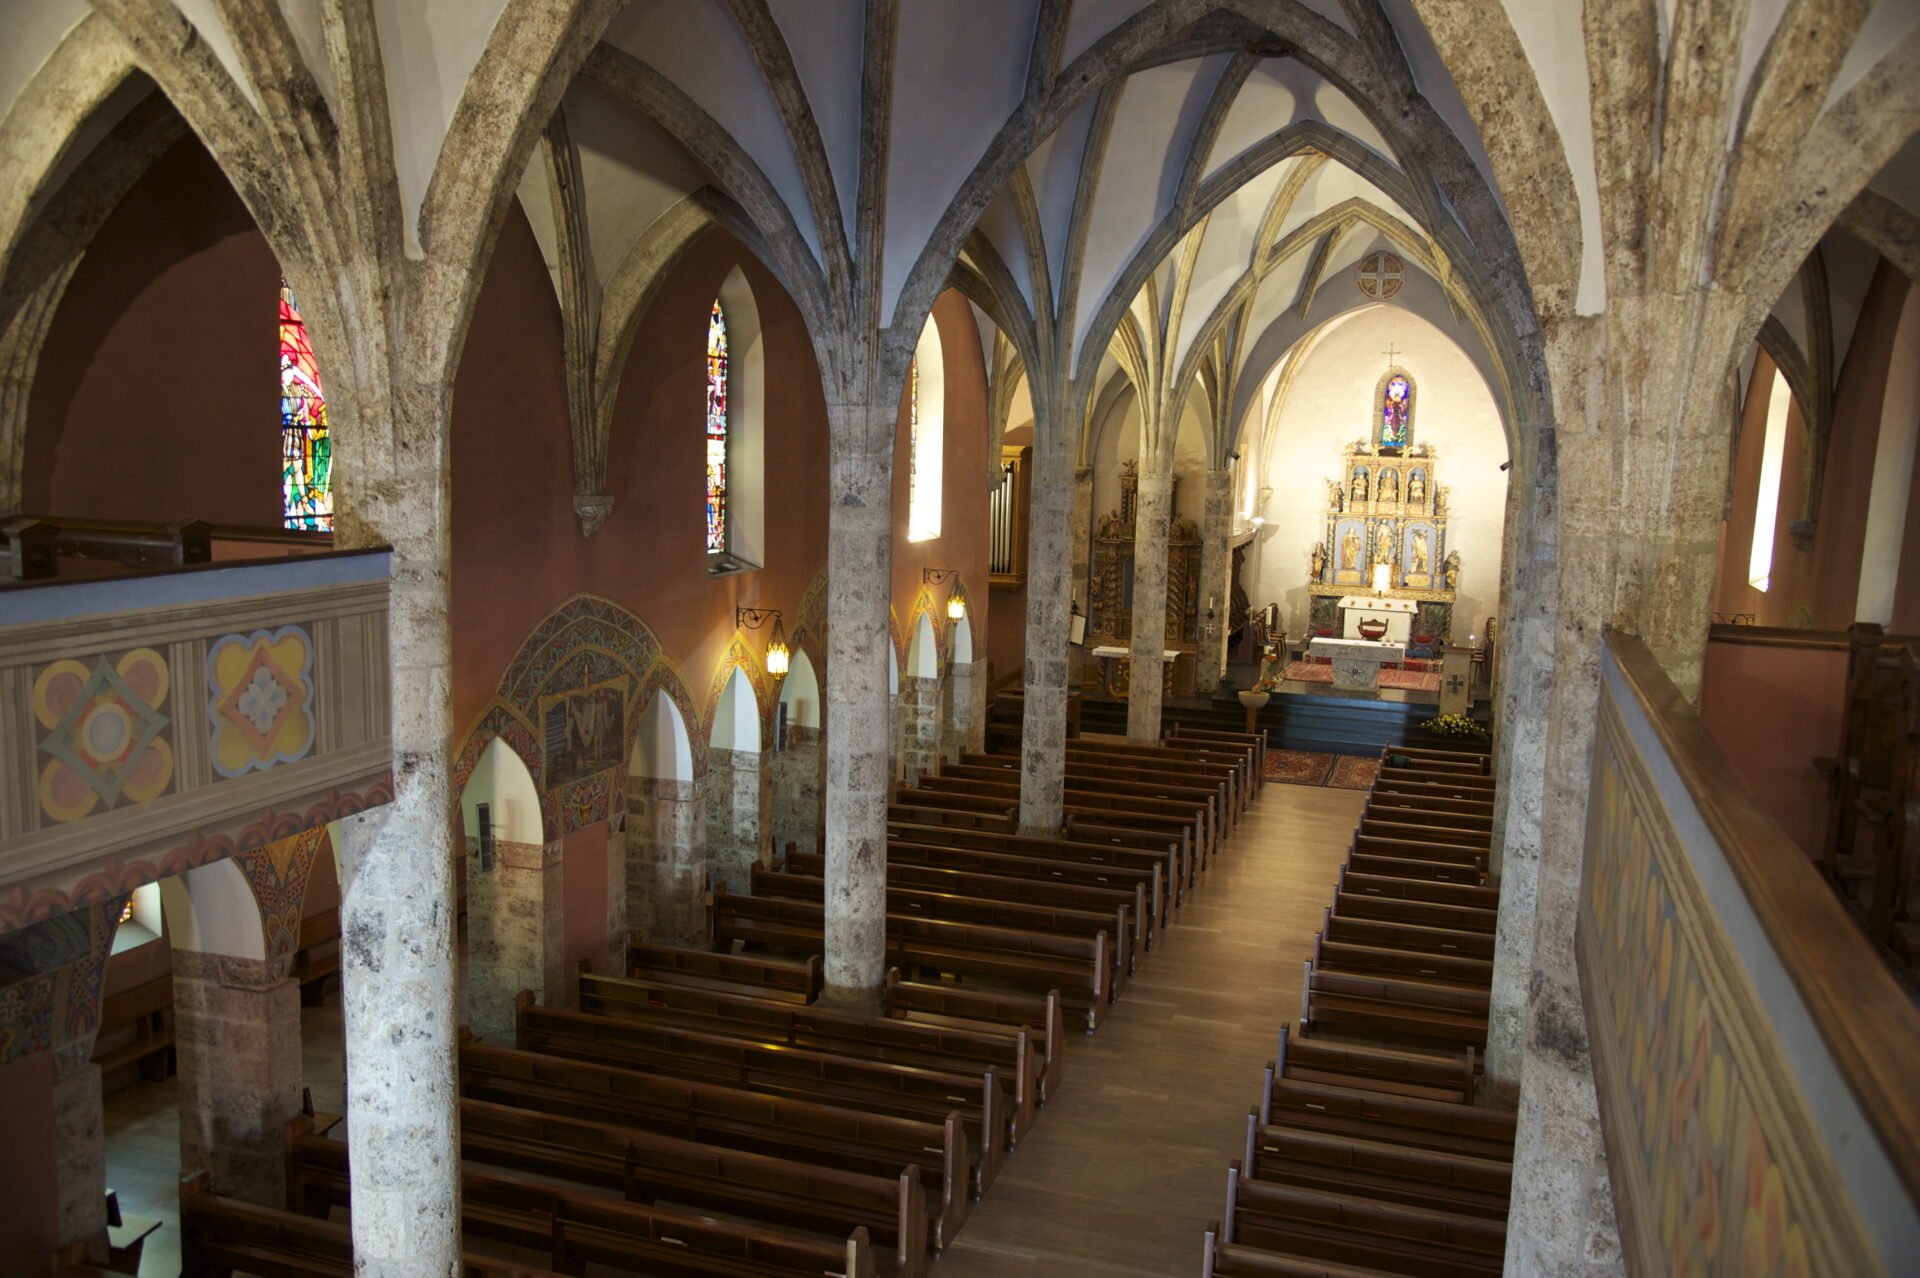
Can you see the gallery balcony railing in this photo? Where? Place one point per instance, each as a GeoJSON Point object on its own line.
{"type": "Point", "coordinates": [160, 719]}
{"type": "Point", "coordinates": [1752, 1052]}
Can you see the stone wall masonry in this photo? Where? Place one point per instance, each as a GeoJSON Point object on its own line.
{"type": "Point", "coordinates": [1050, 506]}
{"type": "Point", "coordinates": [919, 727]}
{"type": "Point", "coordinates": [516, 934]}
{"type": "Point", "coordinates": [80, 1136]}
{"type": "Point", "coordinates": [963, 715]}
{"type": "Point", "coordinates": [1153, 508]}
{"type": "Point", "coordinates": [666, 860]}
{"type": "Point", "coordinates": [739, 803]}
{"type": "Point", "coordinates": [237, 1036]}
{"type": "Point", "coordinates": [1082, 535]}
{"type": "Point", "coordinates": [1216, 584]}
{"type": "Point", "coordinates": [797, 790]}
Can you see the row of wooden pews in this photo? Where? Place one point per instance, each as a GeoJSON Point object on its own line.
{"type": "Point", "coordinates": [701, 1113]}
{"type": "Point", "coordinates": [1366, 1156]}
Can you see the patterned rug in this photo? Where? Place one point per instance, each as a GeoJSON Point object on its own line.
{"type": "Point", "coordinates": [1308, 767]}
{"type": "Point", "coordinates": [1406, 680]}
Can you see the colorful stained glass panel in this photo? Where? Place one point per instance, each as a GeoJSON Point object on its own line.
{"type": "Point", "coordinates": [1396, 410]}
{"type": "Point", "coordinates": [716, 431]}
{"type": "Point", "coordinates": [306, 447]}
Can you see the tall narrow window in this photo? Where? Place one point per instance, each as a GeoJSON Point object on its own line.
{"type": "Point", "coordinates": [1766, 509]}
{"type": "Point", "coordinates": [306, 448]}
{"type": "Point", "coordinates": [926, 437]}
{"type": "Point", "coordinates": [716, 431]}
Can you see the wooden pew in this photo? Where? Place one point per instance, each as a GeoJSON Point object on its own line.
{"type": "Point", "coordinates": [1400, 867]}
{"type": "Point", "coordinates": [971, 811]}
{"type": "Point", "coordinates": [740, 973]}
{"type": "Point", "coordinates": [1168, 756]}
{"type": "Point", "coordinates": [1445, 1126]}
{"type": "Point", "coordinates": [1078, 966]}
{"type": "Point", "coordinates": [145, 1011]}
{"type": "Point", "coordinates": [936, 1004]}
{"type": "Point", "coordinates": [1149, 782]}
{"type": "Point", "coordinates": [1164, 859]}
{"type": "Point", "coordinates": [1350, 1230]}
{"type": "Point", "coordinates": [1379, 1170]}
{"type": "Point", "coordinates": [1418, 831]}
{"type": "Point", "coordinates": [1459, 918]}
{"type": "Point", "coordinates": [1476, 761]}
{"type": "Point", "coordinates": [1477, 895]}
{"type": "Point", "coordinates": [881, 1038]}
{"type": "Point", "coordinates": [1384, 934]}
{"type": "Point", "coordinates": [1406, 1007]}
{"type": "Point", "coordinates": [1370, 960]}
{"type": "Point", "coordinates": [578, 1226]}
{"type": "Point", "coordinates": [1117, 921]}
{"type": "Point", "coordinates": [1425, 1075]}
{"type": "Point", "coordinates": [1408, 810]}
{"type": "Point", "coordinates": [1444, 784]}
{"type": "Point", "coordinates": [957, 872]}
{"type": "Point", "coordinates": [878, 1087]}
{"type": "Point", "coordinates": [1412, 850]}
{"type": "Point", "coordinates": [1231, 1260]}
{"type": "Point", "coordinates": [805, 1131]}
{"type": "Point", "coordinates": [1081, 805]}
{"type": "Point", "coordinates": [1181, 734]}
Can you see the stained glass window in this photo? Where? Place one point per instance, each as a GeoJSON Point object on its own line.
{"type": "Point", "coordinates": [306, 448]}
{"type": "Point", "coordinates": [913, 436]}
{"type": "Point", "coordinates": [1396, 409]}
{"type": "Point", "coordinates": [716, 430]}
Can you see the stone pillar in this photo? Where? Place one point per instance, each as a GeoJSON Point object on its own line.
{"type": "Point", "coordinates": [1043, 730]}
{"type": "Point", "coordinates": [1078, 584]}
{"type": "Point", "coordinates": [963, 718]}
{"type": "Point", "coordinates": [80, 1139]}
{"type": "Point", "coordinates": [859, 563]}
{"type": "Point", "coordinates": [738, 834]}
{"type": "Point", "coordinates": [516, 934]}
{"type": "Point", "coordinates": [618, 925]}
{"type": "Point", "coordinates": [666, 839]}
{"type": "Point", "coordinates": [797, 790]}
{"type": "Point", "coordinates": [1153, 509]}
{"type": "Point", "coordinates": [237, 1038]}
{"type": "Point", "coordinates": [1216, 582]}
{"type": "Point", "coordinates": [919, 727]}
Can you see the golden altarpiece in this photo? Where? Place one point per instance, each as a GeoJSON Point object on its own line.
{"type": "Point", "coordinates": [1110, 598]}
{"type": "Point", "coordinates": [1388, 509]}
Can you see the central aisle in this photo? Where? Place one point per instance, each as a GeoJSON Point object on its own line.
{"type": "Point", "coordinates": [1126, 1167]}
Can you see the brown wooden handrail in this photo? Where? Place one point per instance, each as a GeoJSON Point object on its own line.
{"type": "Point", "coordinates": [31, 546]}
{"type": "Point", "coordinates": [1783, 637]}
{"type": "Point", "coordinates": [1866, 1020]}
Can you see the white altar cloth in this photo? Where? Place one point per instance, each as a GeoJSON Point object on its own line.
{"type": "Point", "coordinates": [1397, 613]}
{"type": "Point", "coordinates": [1356, 662]}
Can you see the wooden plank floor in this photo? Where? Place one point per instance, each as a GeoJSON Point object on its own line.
{"type": "Point", "coordinates": [1129, 1163]}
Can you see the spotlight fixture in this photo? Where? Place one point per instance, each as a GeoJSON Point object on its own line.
{"type": "Point", "coordinates": [956, 601]}
{"type": "Point", "coordinates": [779, 656]}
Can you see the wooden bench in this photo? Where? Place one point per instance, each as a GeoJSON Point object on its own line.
{"type": "Point", "coordinates": [1077, 966]}
{"type": "Point", "coordinates": [1425, 1075]}
{"type": "Point", "coordinates": [1183, 734]}
{"type": "Point", "coordinates": [1417, 831]}
{"type": "Point", "coordinates": [1170, 758]}
{"type": "Point", "coordinates": [935, 1004]}
{"type": "Point", "coordinates": [1413, 850]}
{"type": "Point", "coordinates": [958, 873]}
{"type": "Point", "coordinates": [1215, 783]}
{"type": "Point", "coordinates": [1379, 1170]}
{"type": "Point", "coordinates": [1116, 921]}
{"type": "Point", "coordinates": [1384, 934]}
{"type": "Point", "coordinates": [1163, 861]}
{"type": "Point", "coordinates": [1148, 783]}
{"type": "Point", "coordinates": [1332, 956]}
{"type": "Point", "coordinates": [1406, 810]}
{"type": "Point", "coordinates": [1386, 799]}
{"type": "Point", "coordinates": [1005, 1048]}
{"type": "Point", "coordinates": [763, 977]}
{"type": "Point", "coordinates": [806, 1131]}
{"type": "Point", "coordinates": [833, 1078]}
{"type": "Point", "coordinates": [1459, 785]}
{"type": "Point", "coordinates": [1394, 867]}
{"type": "Point", "coordinates": [144, 1015]}
{"type": "Point", "coordinates": [926, 808]}
{"type": "Point", "coordinates": [1445, 1126]}
{"type": "Point", "coordinates": [1478, 895]}
{"type": "Point", "coordinates": [1079, 805]}
{"type": "Point", "coordinates": [1458, 918]}
{"type": "Point", "coordinates": [316, 955]}
{"type": "Point", "coordinates": [1393, 1005]}
{"type": "Point", "coordinates": [1231, 1260]}
{"type": "Point", "coordinates": [1479, 761]}
{"type": "Point", "coordinates": [1351, 1230]}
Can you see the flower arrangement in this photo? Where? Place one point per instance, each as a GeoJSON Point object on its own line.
{"type": "Point", "coordinates": [1456, 725]}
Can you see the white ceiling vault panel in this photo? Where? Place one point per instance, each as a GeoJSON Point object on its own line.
{"type": "Point", "coordinates": [1091, 19]}
{"type": "Point", "coordinates": [1556, 49]}
{"type": "Point", "coordinates": [430, 48]}
{"type": "Point", "coordinates": [699, 47]}
{"type": "Point", "coordinates": [1226, 252]}
{"type": "Point", "coordinates": [1281, 92]}
{"type": "Point", "coordinates": [956, 80]}
{"type": "Point", "coordinates": [1001, 224]}
{"type": "Point", "coordinates": [825, 41]}
{"type": "Point", "coordinates": [631, 172]}
{"type": "Point", "coordinates": [1054, 170]}
{"type": "Point", "coordinates": [33, 32]}
{"type": "Point", "coordinates": [1435, 82]}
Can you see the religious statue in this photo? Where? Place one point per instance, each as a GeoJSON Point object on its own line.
{"type": "Point", "coordinates": [1319, 560]}
{"type": "Point", "coordinates": [1359, 483]}
{"type": "Point", "coordinates": [1383, 545]}
{"type": "Point", "coordinates": [1350, 549]}
{"type": "Point", "coordinates": [1453, 570]}
{"type": "Point", "coordinates": [1416, 487]}
{"type": "Point", "coordinates": [1389, 485]}
{"type": "Point", "coordinates": [1418, 559]}
{"type": "Point", "coordinates": [1336, 496]}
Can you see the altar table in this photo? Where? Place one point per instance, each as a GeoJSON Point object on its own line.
{"type": "Point", "coordinates": [1357, 662]}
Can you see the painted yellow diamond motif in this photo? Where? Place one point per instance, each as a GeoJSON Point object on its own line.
{"type": "Point", "coordinates": [261, 701]}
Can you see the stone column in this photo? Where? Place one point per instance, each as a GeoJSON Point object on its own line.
{"type": "Point", "coordinates": [859, 562]}
{"type": "Point", "coordinates": [237, 1038]}
{"type": "Point", "coordinates": [919, 727]}
{"type": "Point", "coordinates": [1152, 511]}
{"type": "Point", "coordinates": [80, 1139]}
{"type": "Point", "coordinates": [963, 727]}
{"type": "Point", "coordinates": [1079, 583]}
{"type": "Point", "coordinates": [1216, 581]}
{"type": "Point", "coordinates": [797, 790]}
{"type": "Point", "coordinates": [618, 925]}
{"type": "Point", "coordinates": [516, 934]}
{"type": "Point", "coordinates": [738, 834]}
{"type": "Point", "coordinates": [666, 860]}
{"type": "Point", "coordinates": [1043, 730]}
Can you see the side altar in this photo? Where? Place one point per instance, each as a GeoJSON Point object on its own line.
{"type": "Point", "coordinates": [1387, 510]}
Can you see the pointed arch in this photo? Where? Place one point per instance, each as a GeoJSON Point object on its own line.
{"type": "Point", "coordinates": [502, 780]}
{"type": "Point", "coordinates": [662, 750]}
{"type": "Point", "coordinates": [923, 652]}
{"type": "Point", "coordinates": [211, 908]}
{"type": "Point", "coordinates": [926, 434]}
{"type": "Point", "coordinates": [800, 692]}
{"type": "Point", "coordinates": [963, 641]}
{"type": "Point", "coordinates": [736, 719]}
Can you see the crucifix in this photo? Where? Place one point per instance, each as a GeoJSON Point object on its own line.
{"type": "Point", "coordinates": [1390, 352]}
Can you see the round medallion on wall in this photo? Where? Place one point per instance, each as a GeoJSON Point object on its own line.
{"type": "Point", "coordinates": [1379, 275]}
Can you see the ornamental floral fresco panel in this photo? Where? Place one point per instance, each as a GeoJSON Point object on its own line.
{"type": "Point", "coordinates": [104, 729]}
{"type": "Point", "coordinates": [260, 700]}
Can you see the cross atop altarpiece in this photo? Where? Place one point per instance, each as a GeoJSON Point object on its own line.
{"type": "Point", "coordinates": [1390, 352]}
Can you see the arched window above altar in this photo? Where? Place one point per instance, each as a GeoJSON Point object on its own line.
{"type": "Point", "coordinates": [1393, 410]}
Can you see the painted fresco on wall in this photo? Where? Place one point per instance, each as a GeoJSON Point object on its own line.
{"type": "Point", "coordinates": [105, 729]}
{"type": "Point", "coordinates": [583, 731]}
{"type": "Point", "coordinates": [260, 698]}
{"type": "Point", "coordinates": [1716, 1165]}
{"type": "Point", "coordinates": [278, 872]}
